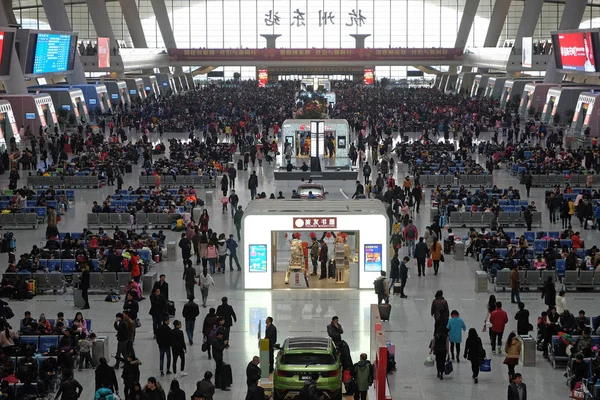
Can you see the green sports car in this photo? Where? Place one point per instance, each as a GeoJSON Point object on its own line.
{"type": "Point", "coordinates": [298, 359]}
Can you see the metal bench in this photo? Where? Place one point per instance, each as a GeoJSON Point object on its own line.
{"type": "Point", "coordinates": [502, 280]}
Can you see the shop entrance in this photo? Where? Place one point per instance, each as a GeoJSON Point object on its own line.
{"type": "Point", "coordinates": [293, 267]}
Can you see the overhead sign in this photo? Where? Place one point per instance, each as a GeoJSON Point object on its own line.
{"type": "Point", "coordinates": [315, 222]}
{"type": "Point", "coordinates": [103, 52]}
{"type": "Point", "coordinates": [322, 55]}
{"type": "Point", "coordinates": [527, 52]}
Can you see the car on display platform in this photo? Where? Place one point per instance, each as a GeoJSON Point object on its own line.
{"type": "Point", "coordinates": [301, 357]}
{"type": "Point", "coordinates": [317, 190]}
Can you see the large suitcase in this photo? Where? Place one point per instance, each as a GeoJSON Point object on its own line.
{"type": "Point", "coordinates": [240, 165]}
{"type": "Point", "coordinates": [331, 269]}
{"type": "Point", "coordinates": [225, 376]}
{"type": "Point", "coordinates": [78, 297]}
{"type": "Point", "coordinates": [384, 311]}
{"type": "Point", "coordinates": [448, 243]}
{"type": "Point", "coordinates": [171, 308]}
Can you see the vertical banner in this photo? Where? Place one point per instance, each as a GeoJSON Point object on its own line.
{"type": "Point", "coordinates": [527, 52]}
{"type": "Point", "coordinates": [1, 46]}
{"type": "Point", "coordinates": [103, 52]}
{"type": "Point", "coordinates": [368, 77]}
{"type": "Point", "coordinates": [263, 77]}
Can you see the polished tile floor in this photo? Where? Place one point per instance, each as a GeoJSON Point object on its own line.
{"type": "Point", "coordinates": [308, 312]}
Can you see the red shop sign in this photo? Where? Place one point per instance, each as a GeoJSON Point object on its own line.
{"type": "Point", "coordinates": [315, 222]}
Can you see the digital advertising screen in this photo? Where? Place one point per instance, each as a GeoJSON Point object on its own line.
{"type": "Point", "coordinates": [576, 51]}
{"type": "Point", "coordinates": [527, 52]}
{"type": "Point", "coordinates": [6, 46]}
{"type": "Point", "coordinates": [53, 53]}
{"type": "Point", "coordinates": [368, 76]}
{"type": "Point", "coordinates": [373, 257]}
{"type": "Point", "coordinates": [263, 77]}
{"type": "Point", "coordinates": [257, 257]}
{"type": "Point", "coordinates": [103, 52]}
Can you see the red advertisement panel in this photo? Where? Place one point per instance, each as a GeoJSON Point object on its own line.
{"type": "Point", "coordinates": [315, 55]}
{"type": "Point", "coordinates": [263, 77]}
{"type": "Point", "coordinates": [1, 45]}
{"type": "Point", "coordinates": [576, 51]}
{"type": "Point", "coordinates": [368, 77]}
{"type": "Point", "coordinates": [103, 53]}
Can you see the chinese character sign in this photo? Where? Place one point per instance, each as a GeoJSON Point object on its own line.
{"type": "Point", "coordinates": [263, 77]}
{"type": "Point", "coordinates": [315, 222]}
{"type": "Point", "coordinates": [368, 77]}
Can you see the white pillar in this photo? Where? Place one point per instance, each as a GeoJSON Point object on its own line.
{"type": "Point", "coordinates": [59, 20]}
{"type": "Point", "coordinates": [134, 25]}
{"type": "Point", "coordinates": [99, 14]}
{"type": "Point", "coordinates": [570, 20]}
{"type": "Point", "coordinates": [464, 29]}
{"type": "Point", "coordinates": [162, 18]}
{"type": "Point", "coordinates": [529, 20]}
{"type": "Point", "coordinates": [497, 20]}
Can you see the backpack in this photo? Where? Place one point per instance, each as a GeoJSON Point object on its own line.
{"type": "Point", "coordinates": [378, 283]}
{"type": "Point", "coordinates": [308, 391]}
{"type": "Point", "coordinates": [212, 335]}
{"type": "Point", "coordinates": [410, 234]}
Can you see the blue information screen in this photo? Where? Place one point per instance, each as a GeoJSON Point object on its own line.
{"type": "Point", "coordinates": [373, 261]}
{"type": "Point", "coordinates": [257, 256]}
{"type": "Point", "coordinates": [29, 115]}
{"type": "Point", "coordinates": [51, 53]}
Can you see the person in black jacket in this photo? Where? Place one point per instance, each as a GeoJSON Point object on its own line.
{"type": "Point", "coordinates": [105, 373]}
{"type": "Point", "coordinates": [163, 286]}
{"type": "Point", "coordinates": [218, 347]}
{"type": "Point", "coordinates": [394, 270]}
{"type": "Point", "coordinates": [335, 330]}
{"type": "Point", "coordinates": [122, 338]}
{"type": "Point", "coordinates": [178, 347]}
{"type": "Point", "coordinates": [158, 308]}
{"type": "Point", "coordinates": [517, 390]}
{"type": "Point", "coordinates": [190, 312]}
{"type": "Point", "coordinates": [185, 245]}
{"type": "Point", "coordinates": [421, 253]}
{"type": "Point", "coordinates": [226, 311]}
{"type": "Point", "coordinates": [522, 317]}
{"type": "Point", "coordinates": [130, 374]}
{"type": "Point", "coordinates": [84, 285]}
{"type": "Point", "coordinates": [163, 339]}
{"type": "Point", "coordinates": [474, 352]}
{"type": "Point", "coordinates": [403, 275]}
{"type": "Point", "coordinates": [69, 388]}
{"type": "Point", "coordinates": [271, 334]}
{"type": "Point", "coordinates": [253, 371]}
{"type": "Point", "coordinates": [131, 306]}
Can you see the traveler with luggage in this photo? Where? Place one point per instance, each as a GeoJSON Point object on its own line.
{"type": "Point", "coordinates": [190, 312]}
{"type": "Point", "coordinates": [474, 352]}
{"type": "Point", "coordinates": [226, 312]}
{"type": "Point", "coordinates": [382, 288]}
{"type": "Point", "coordinates": [223, 378]}
{"type": "Point", "coordinates": [362, 372]}
{"type": "Point", "coordinates": [440, 311]}
{"type": "Point", "coordinates": [410, 236]}
{"type": "Point", "coordinates": [439, 347]}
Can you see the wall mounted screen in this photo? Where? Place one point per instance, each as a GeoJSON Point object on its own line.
{"type": "Point", "coordinates": [52, 53]}
{"type": "Point", "coordinates": [577, 51]}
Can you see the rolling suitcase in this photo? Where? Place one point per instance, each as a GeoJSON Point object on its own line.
{"type": "Point", "coordinates": [171, 308]}
{"type": "Point", "coordinates": [225, 376]}
{"type": "Point", "coordinates": [384, 311]}
{"type": "Point", "coordinates": [240, 165]}
{"type": "Point", "coordinates": [448, 246]}
{"type": "Point", "coordinates": [331, 269]}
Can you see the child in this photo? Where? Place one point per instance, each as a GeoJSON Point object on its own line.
{"type": "Point", "coordinates": [85, 350]}
{"type": "Point", "coordinates": [224, 201]}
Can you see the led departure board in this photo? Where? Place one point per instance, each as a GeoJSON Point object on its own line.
{"type": "Point", "coordinates": [51, 53]}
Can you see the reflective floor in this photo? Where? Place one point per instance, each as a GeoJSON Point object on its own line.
{"type": "Point", "coordinates": [301, 312]}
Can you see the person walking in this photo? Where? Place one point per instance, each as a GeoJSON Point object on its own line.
{"type": "Point", "coordinates": [549, 293]}
{"type": "Point", "coordinates": [439, 347]}
{"type": "Point", "coordinates": [421, 253]}
{"type": "Point", "coordinates": [185, 245]}
{"type": "Point", "coordinates": [382, 288]}
{"type": "Point", "coordinates": [440, 311]}
{"type": "Point", "coordinates": [515, 285]}
{"type": "Point", "coordinates": [410, 237]}
{"type": "Point", "coordinates": [498, 321]}
{"type": "Point", "coordinates": [271, 334]}
{"type": "Point", "coordinates": [232, 246]}
{"type": "Point", "coordinates": [403, 276]}
{"type": "Point", "coordinates": [253, 185]}
{"type": "Point", "coordinates": [122, 338]}
{"type": "Point", "coordinates": [456, 326]}
{"type": "Point", "coordinates": [204, 282]}
{"type": "Point", "coordinates": [517, 390]}
{"type": "Point", "coordinates": [362, 372]}
{"type": "Point", "coordinates": [189, 313]}
{"type": "Point", "coordinates": [163, 339]}
{"type": "Point", "coordinates": [474, 352]}
{"type": "Point", "coordinates": [205, 389]}
{"type": "Point", "coordinates": [210, 321]}
{"type": "Point", "coordinates": [226, 312]}
{"type": "Point", "coordinates": [189, 277]}
{"type": "Point", "coordinates": [237, 221]}
{"type": "Point", "coordinates": [178, 347]}
{"type": "Point", "coordinates": [105, 374]}
{"type": "Point", "coordinates": [234, 200]}
{"type": "Point", "coordinates": [512, 348]}
{"type": "Point", "coordinates": [158, 309]}
{"type": "Point", "coordinates": [522, 317]}
{"type": "Point", "coordinates": [436, 255]}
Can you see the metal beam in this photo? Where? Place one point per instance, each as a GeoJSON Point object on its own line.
{"type": "Point", "coordinates": [162, 18]}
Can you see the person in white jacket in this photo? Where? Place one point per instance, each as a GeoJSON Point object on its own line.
{"type": "Point", "coordinates": [204, 282]}
{"type": "Point", "coordinates": [561, 302]}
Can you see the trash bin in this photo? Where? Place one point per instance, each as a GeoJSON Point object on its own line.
{"type": "Point", "coordinates": [528, 351]}
{"type": "Point", "coordinates": [78, 297]}
{"type": "Point", "coordinates": [148, 281]}
{"type": "Point", "coordinates": [172, 251]}
{"type": "Point", "coordinates": [459, 251]}
{"type": "Point", "coordinates": [481, 281]}
{"type": "Point", "coordinates": [209, 198]}
{"type": "Point", "coordinates": [100, 348]}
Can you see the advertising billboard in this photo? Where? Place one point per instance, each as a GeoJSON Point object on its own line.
{"type": "Point", "coordinates": [527, 52]}
{"type": "Point", "coordinates": [103, 52]}
{"type": "Point", "coordinates": [263, 77]}
{"type": "Point", "coordinates": [368, 76]}
{"type": "Point", "coordinates": [577, 51]}
{"type": "Point", "coordinates": [257, 257]}
{"type": "Point", "coordinates": [373, 253]}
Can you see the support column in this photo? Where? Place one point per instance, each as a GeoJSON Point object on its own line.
{"type": "Point", "coordinates": [134, 25]}
{"type": "Point", "coordinates": [271, 39]}
{"type": "Point", "coordinates": [59, 20]}
{"type": "Point", "coordinates": [569, 20]}
{"type": "Point", "coordinates": [529, 20]}
{"type": "Point", "coordinates": [464, 29]}
{"type": "Point", "coordinates": [162, 17]}
{"type": "Point", "coordinates": [16, 83]}
{"type": "Point", "coordinates": [497, 20]}
{"type": "Point", "coordinates": [360, 40]}
{"type": "Point", "coordinates": [10, 14]}
{"type": "Point", "coordinates": [99, 14]}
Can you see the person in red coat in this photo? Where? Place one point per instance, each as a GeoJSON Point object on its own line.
{"type": "Point", "coordinates": [498, 320]}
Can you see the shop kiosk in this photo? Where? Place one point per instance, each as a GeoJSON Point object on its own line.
{"type": "Point", "coordinates": [136, 88]}
{"type": "Point", "coordinates": [297, 133]}
{"type": "Point", "coordinates": [270, 230]}
{"type": "Point", "coordinates": [513, 88]}
{"type": "Point", "coordinates": [480, 83]}
{"type": "Point", "coordinates": [35, 110]}
{"type": "Point", "coordinates": [71, 100]}
{"type": "Point", "coordinates": [560, 104]}
{"type": "Point", "coordinates": [533, 97]}
{"type": "Point", "coordinates": [151, 85]}
{"type": "Point", "coordinates": [96, 95]}
{"type": "Point", "coordinates": [8, 125]}
{"type": "Point", "coordinates": [117, 91]}
{"type": "Point", "coordinates": [166, 83]}
{"type": "Point", "coordinates": [587, 115]}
